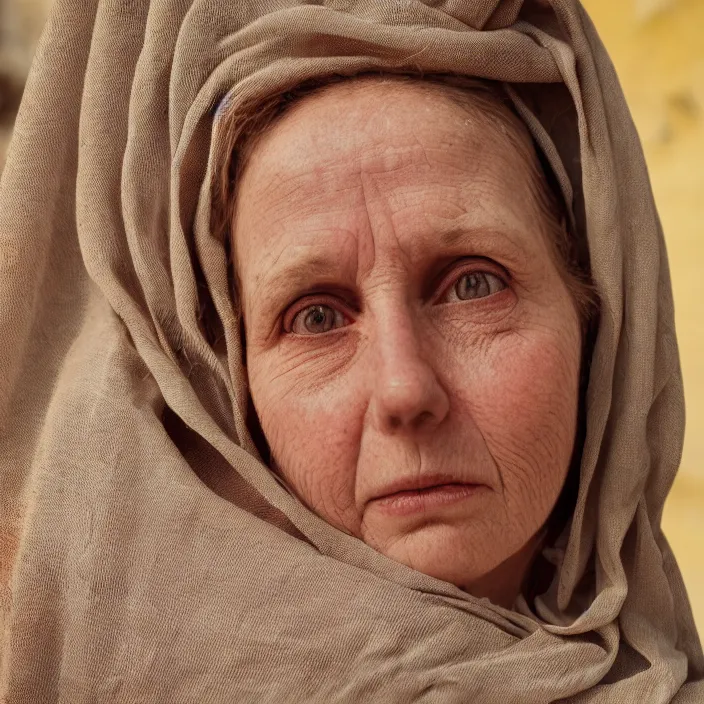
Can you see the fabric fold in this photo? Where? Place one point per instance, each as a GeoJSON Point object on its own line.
{"type": "Point", "coordinates": [146, 552]}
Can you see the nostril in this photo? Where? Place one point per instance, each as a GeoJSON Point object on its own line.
{"type": "Point", "coordinates": [422, 418]}
{"type": "Point", "coordinates": [394, 422]}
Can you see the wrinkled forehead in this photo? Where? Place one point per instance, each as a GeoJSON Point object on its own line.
{"type": "Point", "coordinates": [360, 118]}
{"type": "Point", "coordinates": [334, 148]}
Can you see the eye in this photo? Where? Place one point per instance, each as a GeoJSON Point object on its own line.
{"type": "Point", "coordinates": [476, 284]}
{"type": "Point", "coordinates": [316, 319]}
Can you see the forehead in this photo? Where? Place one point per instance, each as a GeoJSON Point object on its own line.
{"type": "Point", "coordinates": [358, 118]}
{"type": "Point", "coordinates": [411, 150]}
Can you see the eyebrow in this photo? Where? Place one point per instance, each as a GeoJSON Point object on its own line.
{"type": "Point", "coordinates": [297, 276]}
{"type": "Point", "coordinates": [304, 274]}
{"type": "Point", "coordinates": [512, 247]}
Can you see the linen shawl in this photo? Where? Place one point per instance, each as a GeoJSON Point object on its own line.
{"type": "Point", "coordinates": [146, 552]}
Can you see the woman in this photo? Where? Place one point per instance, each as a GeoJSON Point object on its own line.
{"type": "Point", "coordinates": [450, 511]}
{"type": "Point", "coordinates": [440, 434]}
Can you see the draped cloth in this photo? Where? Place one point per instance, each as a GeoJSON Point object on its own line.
{"type": "Point", "coordinates": [146, 552]}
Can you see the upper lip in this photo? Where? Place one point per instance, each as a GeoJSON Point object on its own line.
{"type": "Point", "coordinates": [418, 481]}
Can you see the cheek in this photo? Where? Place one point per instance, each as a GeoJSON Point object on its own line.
{"type": "Point", "coordinates": [314, 434]}
{"type": "Point", "coordinates": [524, 398]}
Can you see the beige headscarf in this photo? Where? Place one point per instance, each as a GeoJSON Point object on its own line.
{"type": "Point", "coordinates": [146, 554]}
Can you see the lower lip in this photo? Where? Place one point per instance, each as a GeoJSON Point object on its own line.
{"type": "Point", "coordinates": [404, 503]}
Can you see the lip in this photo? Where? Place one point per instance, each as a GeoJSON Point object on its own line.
{"type": "Point", "coordinates": [423, 494]}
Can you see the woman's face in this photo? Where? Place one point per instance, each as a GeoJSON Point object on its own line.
{"type": "Point", "coordinates": [412, 351]}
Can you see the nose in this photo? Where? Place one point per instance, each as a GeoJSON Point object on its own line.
{"type": "Point", "coordinates": [407, 394]}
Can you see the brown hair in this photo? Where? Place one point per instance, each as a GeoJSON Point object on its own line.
{"type": "Point", "coordinates": [243, 125]}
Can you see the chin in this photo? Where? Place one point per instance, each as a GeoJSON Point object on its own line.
{"type": "Point", "coordinates": [448, 553]}
{"type": "Point", "coordinates": [444, 552]}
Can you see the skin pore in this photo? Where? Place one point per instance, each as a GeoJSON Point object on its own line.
{"type": "Point", "coordinates": [406, 325]}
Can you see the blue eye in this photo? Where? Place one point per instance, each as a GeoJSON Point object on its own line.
{"type": "Point", "coordinates": [477, 284]}
{"type": "Point", "coordinates": [316, 319]}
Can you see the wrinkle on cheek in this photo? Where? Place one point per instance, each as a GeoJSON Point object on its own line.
{"type": "Point", "coordinates": [329, 492]}
{"type": "Point", "coordinates": [298, 372]}
{"type": "Point", "coordinates": [324, 483]}
{"type": "Point", "coordinates": [526, 491]}
{"type": "Point", "coordinates": [313, 448]}
{"type": "Point", "coordinates": [328, 495]}
{"type": "Point", "coordinates": [533, 443]}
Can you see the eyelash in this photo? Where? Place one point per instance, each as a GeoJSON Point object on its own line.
{"type": "Point", "coordinates": [312, 300]}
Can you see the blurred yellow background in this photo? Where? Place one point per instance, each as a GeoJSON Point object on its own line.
{"type": "Point", "coordinates": [658, 51]}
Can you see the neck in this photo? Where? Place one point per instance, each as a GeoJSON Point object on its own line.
{"type": "Point", "coordinates": [503, 584]}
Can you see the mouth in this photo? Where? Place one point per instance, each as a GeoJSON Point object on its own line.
{"type": "Point", "coordinates": [425, 495]}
